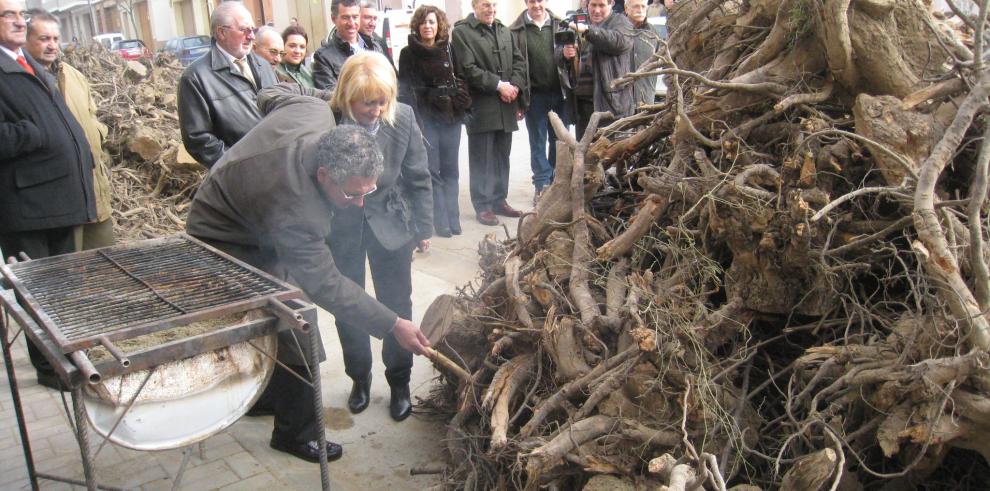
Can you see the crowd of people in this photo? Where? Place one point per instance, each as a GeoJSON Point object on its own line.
{"type": "Point", "coordinates": [342, 142]}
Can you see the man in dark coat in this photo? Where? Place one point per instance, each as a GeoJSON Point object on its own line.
{"type": "Point", "coordinates": [345, 40]}
{"type": "Point", "coordinates": [218, 92]}
{"type": "Point", "coordinates": [270, 201]}
{"type": "Point", "coordinates": [495, 73]}
{"type": "Point", "coordinates": [606, 54]}
{"type": "Point", "coordinates": [546, 82]}
{"type": "Point", "coordinates": [369, 22]}
{"type": "Point", "coordinates": [46, 168]}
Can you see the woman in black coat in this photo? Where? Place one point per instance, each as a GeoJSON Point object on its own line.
{"type": "Point", "coordinates": [427, 83]}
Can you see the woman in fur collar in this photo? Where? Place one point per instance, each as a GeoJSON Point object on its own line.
{"type": "Point", "coordinates": [440, 99]}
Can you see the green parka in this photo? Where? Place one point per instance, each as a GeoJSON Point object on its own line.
{"type": "Point", "coordinates": [484, 57]}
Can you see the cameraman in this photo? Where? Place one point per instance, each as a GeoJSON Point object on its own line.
{"type": "Point", "coordinates": [606, 54]}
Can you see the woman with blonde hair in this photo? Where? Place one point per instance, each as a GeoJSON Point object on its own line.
{"type": "Point", "coordinates": [397, 217]}
{"type": "Point", "coordinates": [428, 83]}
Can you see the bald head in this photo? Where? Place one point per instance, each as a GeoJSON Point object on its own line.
{"type": "Point", "coordinates": [268, 44]}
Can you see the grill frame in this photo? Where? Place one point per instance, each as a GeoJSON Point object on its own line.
{"type": "Point", "coordinates": [40, 314]}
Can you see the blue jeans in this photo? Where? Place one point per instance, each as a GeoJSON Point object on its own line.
{"type": "Point", "coordinates": [541, 161]}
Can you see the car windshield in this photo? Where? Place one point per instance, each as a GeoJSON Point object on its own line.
{"type": "Point", "coordinates": [129, 44]}
{"type": "Point", "coordinates": [195, 41]}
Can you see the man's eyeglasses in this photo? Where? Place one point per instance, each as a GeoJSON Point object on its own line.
{"type": "Point", "coordinates": [356, 196]}
{"type": "Point", "coordinates": [10, 15]}
{"type": "Point", "coordinates": [275, 52]}
{"type": "Point", "coordinates": [246, 31]}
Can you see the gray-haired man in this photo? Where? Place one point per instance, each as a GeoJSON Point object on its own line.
{"type": "Point", "coordinates": [218, 92]}
{"type": "Point", "coordinates": [279, 221]}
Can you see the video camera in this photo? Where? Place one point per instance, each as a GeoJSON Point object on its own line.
{"type": "Point", "coordinates": [566, 35]}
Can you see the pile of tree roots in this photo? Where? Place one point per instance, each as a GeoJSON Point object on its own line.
{"type": "Point", "coordinates": [776, 278]}
{"type": "Point", "coordinates": [152, 178]}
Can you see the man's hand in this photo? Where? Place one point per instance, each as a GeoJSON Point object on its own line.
{"type": "Point", "coordinates": [507, 92]}
{"type": "Point", "coordinates": [520, 114]}
{"type": "Point", "coordinates": [570, 51]}
{"type": "Point", "coordinates": [423, 246]}
{"type": "Point", "coordinates": [410, 337]}
{"type": "Point", "coordinates": [579, 27]}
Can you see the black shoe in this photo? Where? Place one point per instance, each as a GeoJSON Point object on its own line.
{"type": "Point", "coordinates": [455, 229]}
{"type": "Point", "coordinates": [359, 398]}
{"type": "Point", "coordinates": [51, 381]}
{"type": "Point", "coordinates": [309, 451]}
{"type": "Point", "coordinates": [400, 407]}
{"type": "Point", "coordinates": [443, 232]}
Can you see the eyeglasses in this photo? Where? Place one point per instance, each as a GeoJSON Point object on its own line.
{"type": "Point", "coordinates": [246, 31]}
{"type": "Point", "coordinates": [275, 52]}
{"type": "Point", "coordinates": [352, 198]}
{"type": "Point", "coordinates": [10, 15]}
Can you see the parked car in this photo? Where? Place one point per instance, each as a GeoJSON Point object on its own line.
{"type": "Point", "coordinates": [131, 49]}
{"type": "Point", "coordinates": [107, 39]}
{"type": "Point", "coordinates": [187, 48]}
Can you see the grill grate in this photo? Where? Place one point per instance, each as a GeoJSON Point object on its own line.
{"type": "Point", "coordinates": [96, 292]}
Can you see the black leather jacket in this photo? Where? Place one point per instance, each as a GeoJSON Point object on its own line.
{"type": "Point", "coordinates": [331, 56]}
{"type": "Point", "coordinates": [218, 105]}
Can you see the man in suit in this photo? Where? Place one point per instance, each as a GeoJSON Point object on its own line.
{"type": "Point", "coordinates": [280, 222]}
{"type": "Point", "coordinates": [46, 169]}
{"type": "Point", "coordinates": [218, 92]}
{"type": "Point", "coordinates": [495, 73]}
{"type": "Point", "coordinates": [43, 35]}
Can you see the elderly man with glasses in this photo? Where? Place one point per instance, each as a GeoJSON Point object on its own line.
{"type": "Point", "coordinates": [218, 92]}
{"type": "Point", "coordinates": [268, 44]}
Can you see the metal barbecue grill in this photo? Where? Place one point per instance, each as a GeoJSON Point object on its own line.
{"type": "Point", "coordinates": [112, 297]}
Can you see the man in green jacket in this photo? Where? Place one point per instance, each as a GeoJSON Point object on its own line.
{"type": "Point", "coordinates": [495, 72]}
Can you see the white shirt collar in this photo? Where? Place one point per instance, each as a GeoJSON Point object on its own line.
{"type": "Point", "coordinates": [546, 19]}
{"type": "Point", "coordinates": [13, 55]}
{"type": "Point", "coordinates": [230, 57]}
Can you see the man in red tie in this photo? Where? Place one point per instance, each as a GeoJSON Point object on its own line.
{"type": "Point", "coordinates": [46, 167]}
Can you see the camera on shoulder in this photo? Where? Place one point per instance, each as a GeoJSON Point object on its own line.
{"type": "Point", "coordinates": [566, 35]}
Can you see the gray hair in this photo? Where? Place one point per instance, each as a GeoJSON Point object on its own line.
{"type": "Point", "coordinates": [335, 6]}
{"type": "Point", "coordinates": [223, 15]}
{"type": "Point", "coordinates": [349, 151]}
{"type": "Point", "coordinates": [266, 30]}
{"type": "Point", "coordinates": [41, 15]}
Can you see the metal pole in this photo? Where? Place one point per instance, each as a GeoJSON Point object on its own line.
{"type": "Point", "coordinates": [82, 436]}
{"type": "Point", "coordinates": [314, 352]}
{"type": "Point", "coordinates": [15, 396]}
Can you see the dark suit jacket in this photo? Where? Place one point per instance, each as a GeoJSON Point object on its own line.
{"type": "Point", "coordinates": [261, 203]}
{"type": "Point", "coordinates": [46, 168]}
{"type": "Point", "coordinates": [218, 105]}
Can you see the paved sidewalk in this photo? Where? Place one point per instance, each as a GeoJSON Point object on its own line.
{"type": "Point", "coordinates": [378, 453]}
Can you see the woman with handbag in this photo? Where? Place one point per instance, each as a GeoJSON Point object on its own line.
{"type": "Point", "coordinates": [396, 218]}
{"type": "Point", "coordinates": [441, 101]}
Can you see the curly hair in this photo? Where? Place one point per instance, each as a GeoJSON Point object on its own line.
{"type": "Point", "coordinates": [419, 17]}
{"type": "Point", "coordinates": [349, 151]}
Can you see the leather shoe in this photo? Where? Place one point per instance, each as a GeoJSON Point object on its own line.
{"type": "Point", "coordinates": [359, 398]}
{"type": "Point", "coordinates": [443, 232]}
{"type": "Point", "coordinates": [455, 229]}
{"type": "Point", "coordinates": [309, 451]}
{"type": "Point", "coordinates": [505, 210]}
{"type": "Point", "coordinates": [400, 407]}
{"type": "Point", "coordinates": [487, 218]}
